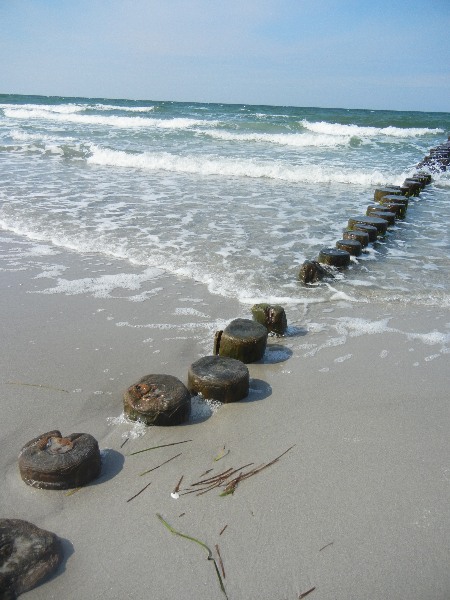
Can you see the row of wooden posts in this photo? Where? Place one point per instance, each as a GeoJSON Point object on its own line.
{"type": "Point", "coordinates": [390, 204]}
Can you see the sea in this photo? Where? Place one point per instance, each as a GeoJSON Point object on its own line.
{"type": "Point", "coordinates": [234, 196]}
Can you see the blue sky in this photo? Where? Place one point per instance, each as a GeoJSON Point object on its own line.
{"type": "Point", "coordinates": [380, 54]}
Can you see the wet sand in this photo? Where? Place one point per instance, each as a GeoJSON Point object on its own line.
{"type": "Point", "coordinates": [357, 509]}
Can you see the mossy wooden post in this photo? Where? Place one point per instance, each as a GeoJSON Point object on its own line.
{"type": "Point", "coordinates": [335, 257]}
{"type": "Point", "coordinates": [376, 210]}
{"type": "Point", "coordinates": [423, 177]}
{"type": "Point", "coordinates": [242, 339]}
{"type": "Point", "coordinates": [219, 378]}
{"type": "Point", "coordinates": [356, 234]}
{"type": "Point", "coordinates": [380, 224]}
{"type": "Point", "coordinates": [54, 462]}
{"type": "Point", "coordinates": [414, 187]}
{"type": "Point", "coordinates": [353, 247]}
{"type": "Point", "coordinates": [158, 400]}
{"type": "Point", "coordinates": [369, 229]}
{"type": "Point", "coordinates": [312, 271]}
{"type": "Point", "coordinates": [417, 181]}
{"type": "Point", "coordinates": [390, 198]}
{"type": "Point", "coordinates": [387, 191]}
{"type": "Point", "coordinates": [272, 316]}
{"type": "Point", "coordinates": [396, 207]}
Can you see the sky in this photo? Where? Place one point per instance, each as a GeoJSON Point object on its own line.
{"type": "Point", "coordinates": [376, 54]}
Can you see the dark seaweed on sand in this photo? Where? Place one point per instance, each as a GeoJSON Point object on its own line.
{"type": "Point", "coordinates": [226, 479]}
{"type": "Point", "coordinates": [160, 446]}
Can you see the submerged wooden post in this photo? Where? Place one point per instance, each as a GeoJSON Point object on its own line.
{"type": "Point", "coordinates": [272, 316]}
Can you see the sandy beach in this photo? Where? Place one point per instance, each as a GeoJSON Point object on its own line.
{"type": "Point", "coordinates": [357, 509]}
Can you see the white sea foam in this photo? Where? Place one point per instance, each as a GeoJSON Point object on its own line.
{"type": "Point", "coordinates": [108, 121]}
{"type": "Point", "coordinates": [431, 338]}
{"type": "Point", "coordinates": [296, 140]}
{"type": "Point", "coordinates": [234, 167]}
{"type": "Point", "coordinates": [359, 131]}
{"type": "Point", "coordinates": [108, 107]}
{"type": "Point", "coordinates": [138, 428]}
{"type": "Point", "coordinates": [102, 287]}
{"type": "Point", "coordinates": [233, 199]}
{"type": "Point", "coordinates": [202, 408]}
{"type": "Point", "coordinates": [189, 311]}
{"type": "Point", "coordinates": [61, 109]}
{"type": "Point", "coordinates": [355, 327]}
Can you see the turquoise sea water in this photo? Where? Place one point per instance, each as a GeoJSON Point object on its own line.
{"type": "Point", "coordinates": [235, 196]}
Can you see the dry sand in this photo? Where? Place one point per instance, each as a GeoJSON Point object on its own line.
{"type": "Point", "coordinates": [358, 509]}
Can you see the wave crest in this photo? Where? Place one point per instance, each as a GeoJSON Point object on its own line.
{"type": "Point", "coordinates": [109, 121]}
{"type": "Point", "coordinates": [337, 129]}
{"type": "Point", "coordinates": [228, 167]}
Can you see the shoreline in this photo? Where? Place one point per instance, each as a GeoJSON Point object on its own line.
{"type": "Point", "coordinates": [357, 509]}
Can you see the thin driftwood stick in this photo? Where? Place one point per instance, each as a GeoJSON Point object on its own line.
{"type": "Point", "coordinates": [177, 487]}
{"type": "Point", "coordinates": [232, 485]}
{"type": "Point", "coordinates": [140, 492]}
{"type": "Point", "coordinates": [220, 560]}
{"type": "Point", "coordinates": [223, 529]}
{"type": "Point", "coordinates": [206, 472]}
{"type": "Point", "coordinates": [39, 385]}
{"type": "Point", "coordinates": [210, 479]}
{"type": "Point", "coordinates": [326, 546]}
{"type": "Point", "coordinates": [224, 475]}
{"type": "Point", "coordinates": [164, 463]}
{"type": "Point", "coordinates": [306, 593]}
{"type": "Point", "coordinates": [161, 446]}
{"type": "Point", "coordinates": [220, 481]}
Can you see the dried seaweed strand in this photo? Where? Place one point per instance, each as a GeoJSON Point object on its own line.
{"type": "Point", "coordinates": [161, 446]}
{"type": "Point", "coordinates": [211, 479]}
{"type": "Point", "coordinates": [164, 463]}
{"type": "Point", "coordinates": [220, 560]}
{"type": "Point", "coordinates": [216, 481]}
{"type": "Point", "coordinates": [177, 487]}
{"type": "Point", "coordinates": [326, 546]}
{"type": "Point", "coordinates": [221, 476]}
{"type": "Point", "coordinates": [306, 593]}
{"type": "Point", "coordinates": [223, 529]}
{"type": "Point", "coordinates": [140, 492]}
{"type": "Point", "coordinates": [221, 455]}
{"type": "Point", "coordinates": [221, 481]}
{"type": "Point", "coordinates": [123, 443]}
{"type": "Point", "coordinates": [39, 385]}
{"type": "Point", "coordinates": [200, 491]}
{"type": "Point", "coordinates": [206, 472]}
{"type": "Point", "coordinates": [231, 486]}
{"type": "Point", "coordinates": [211, 487]}
{"type": "Point", "coordinates": [70, 492]}
{"type": "Point", "coordinates": [202, 544]}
